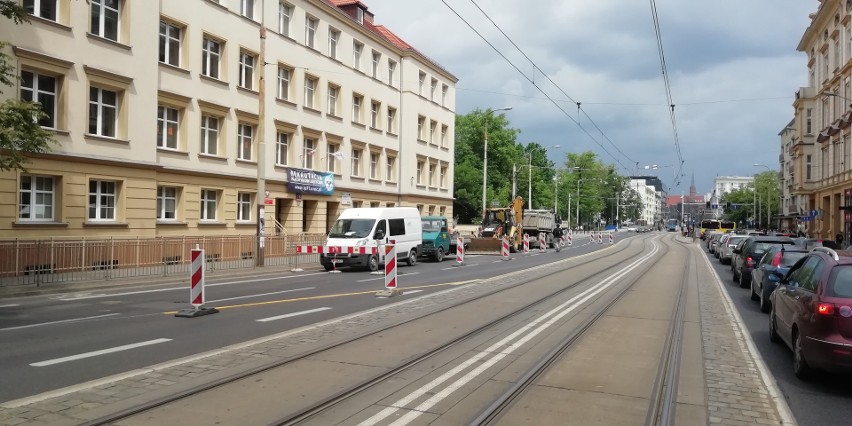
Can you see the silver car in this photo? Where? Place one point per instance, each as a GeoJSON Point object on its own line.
{"type": "Point", "coordinates": [726, 250]}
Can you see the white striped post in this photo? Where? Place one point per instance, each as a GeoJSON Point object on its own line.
{"type": "Point", "coordinates": [610, 238]}
{"type": "Point", "coordinates": [459, 252]}
{"type": "Point", "coordinates": [196, 289]}
{"type": "Point", "coordinates": [570, 240]}
{"type": "Point", "coordinates": [390, 266]}
{"type": "Point", "coordinates": [526, 244]}
{"type": "Point", "coordinates": [542, 242]}
{"type": "Point", "coordinates": [504, 251]}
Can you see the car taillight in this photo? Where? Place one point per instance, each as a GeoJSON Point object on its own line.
{"type": "Point", "coordinates": [749, 262]}
{"type": "Point", "coordinates": [825, 309]}
{"type": "Point", "coordinates": [776, 260]}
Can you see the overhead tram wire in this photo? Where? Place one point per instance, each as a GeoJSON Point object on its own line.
{"type": "Point", "coordinates": [553, 101]}
{"type": "Point", "coordinates": [668, 89]}
{"type": "Point", "coordinates": [536, 67]}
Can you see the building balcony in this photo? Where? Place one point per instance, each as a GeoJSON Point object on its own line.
{"type": "Point", "coordinates": [806, 93]}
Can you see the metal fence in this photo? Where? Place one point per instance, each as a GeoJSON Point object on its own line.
{"type": "Point", "coordinates": [90, 259]}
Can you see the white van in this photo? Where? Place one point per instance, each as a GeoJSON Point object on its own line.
{"type": "Point", "coordinates": [374, 227]}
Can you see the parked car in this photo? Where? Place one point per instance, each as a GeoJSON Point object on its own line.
{"type": "Point", "coordinates": [726, 248]}
{"type": "Point", "coordinates": [776, 259]}
{"type": "Point", "coordinates": [812, 312]}
{"type": "Point", "coordinates": [810, 243]}
{"type": "Point", "coordinates": [708, 236]}
{"type": "Point", "coordinates": [750, 253]}
{"type": "Point", "coordinates": [718, 247]}
{"type": "Point", "coordinates": [735, 254]}
{"type": "Point", "coordinates": [713, 241]}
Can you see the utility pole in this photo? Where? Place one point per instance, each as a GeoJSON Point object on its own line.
{"type": "Point", "coordinates": [261, 145]}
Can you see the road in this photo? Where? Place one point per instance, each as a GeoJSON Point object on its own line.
{"type": "Point", "coordinates": [60, 340]}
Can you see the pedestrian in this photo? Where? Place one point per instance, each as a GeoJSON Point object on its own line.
{"type": "Point", "coordinates": [557, 237]}
{"type": "Point", "coordinates": [839, 239]}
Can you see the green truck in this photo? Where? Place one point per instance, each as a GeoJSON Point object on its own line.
{"type": "Point", "coordinates": [436, 237]}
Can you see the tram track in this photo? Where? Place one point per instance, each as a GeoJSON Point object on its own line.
{"type": "Point", "coordinates": [333, 400]}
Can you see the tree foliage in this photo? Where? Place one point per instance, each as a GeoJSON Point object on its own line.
{"type": "Point", "coordinates": [20, 133]}
{"type": "Point", "coordinates": [754, 201]}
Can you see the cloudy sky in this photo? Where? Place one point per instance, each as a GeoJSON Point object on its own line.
{"type": "Point", "coordinates": [732, 64]}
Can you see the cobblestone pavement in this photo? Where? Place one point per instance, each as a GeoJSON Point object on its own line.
{"type": "Point", "coordinates": [737, 394]}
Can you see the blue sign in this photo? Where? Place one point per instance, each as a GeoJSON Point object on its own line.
{"type": "Point", "coordinates": [302, 181]}
{"type": "Point", "coordinates": [714, 206]}
{"type": "Point", "coordinates": [735, 206]}
{"type": "Point", "coordinates": [806, 218]}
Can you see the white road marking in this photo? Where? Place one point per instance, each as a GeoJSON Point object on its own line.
{"type": "Point", "coordinates": [10, 305]}
{"type": "Point", "coordinates": [262, 294]}
{"type": "Point", "coordinates": [129, 293]}
{"type": "Point", "coordinates": [294, 314]}
{"type": "Point", "coordinates": [411, 291]}
{"type": "Point", "coordinates": [100, 352]}
{"type": "Point", "coordinates": [58, 322]}
{"type": "Point", "coordinates": [499, 350]}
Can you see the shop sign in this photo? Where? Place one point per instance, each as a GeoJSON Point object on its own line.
{"type": "Point", "coordinates": [302, 181]}
{"type": "Point", "coordinates": [346, 199]}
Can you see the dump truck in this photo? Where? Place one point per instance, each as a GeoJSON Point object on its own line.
{"type": "Point", "coordinates": [496, 223]}
{"type": "Point", "coordinates": [536, 222]}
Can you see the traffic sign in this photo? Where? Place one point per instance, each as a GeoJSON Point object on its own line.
{"type": "Point", "coordinates": [714, 206]}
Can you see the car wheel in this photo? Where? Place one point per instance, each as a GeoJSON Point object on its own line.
{"type": "Point", "coordinates": [439, 255]}
{"type": "Point", "coordinates": [373, 263]}
{"type": "Point", "coordinates": [765, 304]}
{"type": "Point", "coordinates": [754, 295]}
{"type": "Point", "coordinates": [800, 365]}
{"type": "Point", "coordinates": [773, 331]}
{"type": "Point", "coordinates": [743, 283]}
{"type": "Point", "coordinates": [328, 267]}
{"type": "Point", "coordinates": [735, 277]}
{"type": "Point", "coordinates": [412, 257]}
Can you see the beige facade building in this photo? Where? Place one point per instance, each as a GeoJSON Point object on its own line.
{"type": "Point", "coordinates": [816, 156]}
{"type": "Point", "coordinates": [167, 113]}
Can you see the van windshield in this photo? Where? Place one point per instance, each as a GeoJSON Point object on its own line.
{"type": "Point", "coordinates": [432, 225]}
{"type": "Point", "coordinates": [352, 228]}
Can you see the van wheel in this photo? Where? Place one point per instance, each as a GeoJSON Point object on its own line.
{"type": "Point", "coordinates": [439, 255]}
{"type": "Point", "coordinates": [373, 263]}
{"type": "Point", "coordinates": [412, 257]}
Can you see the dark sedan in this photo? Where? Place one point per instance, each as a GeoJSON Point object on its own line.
{"type": "Point", "coordinates": [812, 312]}
{"type": "Point", "coordinates": [777, 259]}
{"type": "Point", "coordinates": [750, 253]}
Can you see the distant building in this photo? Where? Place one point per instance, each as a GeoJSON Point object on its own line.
{"type": "Point", "coordinates": [687, 206]}
{"type": "Point", "coordinates": [726, 184]}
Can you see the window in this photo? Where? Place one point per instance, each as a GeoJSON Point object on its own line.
{"type": "Point", "coordinates": [432, 174]}
{"type": "Point", "coordinates": [169, 43]}
{"type": "Point", "coordinates": [356, 161]}
{"type": "Point", "coordinates": [103, 112]}
{"type": "Point", "coordinates": [308, 151]}
{"type": "Point", "coordinates": [357, 48]}
{"type": "Point", "coordinates": [433, 89]}
{"type": "Point", "coordinates": [391, 128]}
{"type": "Point", "coordinates": [389, 176]}
{"type": "Point", "coordinates": [101, 200]}
{"type": "Point", "coordinates": [443, 177]}
{"type": "Point", "coordinates": [334, 154]}
{"type": "Point", "coordinates": [209, 204]}
{"type": "Point", "coordinates": [808, 121]}
{"type": "Point", "coordinates": [420, 172]}
{"type": "Point", "coordinates": [45, 9]}
{"type": "Point", "coordinates": [310, 31]}
{"type": "Point", "coordinates": [432, 126]}
{"type": "Point", "coordinates": [247, 8]}
{"type": "Point", "coordinates": [421, 83]}
{"type": "Point", "coordinates": [285, 13]}
{"type": "Point", "coordinates": [310, 91]}
{"type": "Point", "coordinates": [332, 99]}
{"type": "Point", "coordinates": [244, 141]}
{"type": "Point", "coordinates": [377, 57]}
{"type": "Point", "coordinates": [42, 89]}
{"type": "Point", "coordinates": [284, 82]}
{"type": "Point", "coordinates": [105, 18]}
{"type": "Point", "coordinates": [391, 71]}
{"type": "Point", "coordinates": [444, 90]}
{"type": "Point", "coordinates": [167, 127]}
{"type": "Point", "coordinates": [209, 135]}
{"type": "Point", "coordinates": [375, 107]}
{"type": "Point", "coordinates": [37, 197]}
{"type": "Point", "coordinates": [333, 38]}
{"type": "Point", "coordinates": [357, 100]}
{"type": "Point", "coordinates": [247, 61]}
{"type": "Point", "coordinates": [359, 15]}
{"type": "Point", "coordinates": [282, 149]}
{"type": "Point", "coordinates": [210, 55]}
{"type": "Point", "coordinates": [166, 203]}
{"type": "Point", "coordinates": [374, 165]}
{"type": "Point", "coordinates": [444, 132]}
{"type": "Point", "coordinates": [420, 122]}
{"type": "Point", "coordinates": [243, 206]}
{"type": "Point", "coordinates": [807, 167]}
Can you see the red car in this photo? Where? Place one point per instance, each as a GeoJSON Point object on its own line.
{"type": "Point", "coordinates": [812, 312]}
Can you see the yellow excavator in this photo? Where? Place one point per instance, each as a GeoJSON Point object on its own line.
{"type": "Point", "coordinates": [496, 223]}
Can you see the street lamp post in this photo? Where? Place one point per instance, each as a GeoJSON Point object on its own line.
{"type": "Point", "coordinates": [485, 156]}
{"type": "Point", "coordinates": [768, 195]}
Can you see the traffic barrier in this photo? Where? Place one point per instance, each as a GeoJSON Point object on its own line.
{"type": "Point", "coordinates": [562, 241]}
{"type": "Point", "coordinates": [390, 272]}
{"type": "Point", "coordinates": [460, 252]}
{"type": "Point", "coordinates": [334, 270]}
{"type": "Point", "coordinates": [610, 238]}
{"type": "Point", "coordinates": [338, 250]}
{"type": "Point", "coordinates": [196, 287]}
{"type": "Point", "coordinates": [504, 249]}
{"type": "Point", "coordinates": [600, 237]}
{"type": "Point", "coordinates": [526, 244]}
{"type": "Point", "coordinates": [570, 240]}
{"type": "Point", "coordinates": [542, 243]}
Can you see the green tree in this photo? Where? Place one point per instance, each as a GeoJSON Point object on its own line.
{"type": "Point", "coordinates": [20, 133]}
{"type": "Point", "coordinates": [743, 197]}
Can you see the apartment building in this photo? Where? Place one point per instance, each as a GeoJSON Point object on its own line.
{"type": "Point", "coordinates": [816, 151]}
{"type": "Point", "coordinates": [168, 114]}
{"type": "Point", "coordinates": [725, 184]}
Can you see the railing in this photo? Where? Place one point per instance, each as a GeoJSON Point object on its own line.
{"type": "Point", "coordinates": [58, 260]}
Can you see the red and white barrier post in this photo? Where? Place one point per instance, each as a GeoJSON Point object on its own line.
{"type": "Point", "coordinates": [504, 249]}
{"type": "Point", "coordinates": [196, 287]}
{"type": "Point", "coordinates": [600, 237]}
{"type": "Point", "coordinates": [610, 238]}
{"type": "Point", "coordinates": [526, 244]}
{"type": "Point", "coordinates": [391, 288]}
{"type": "Point", "coordinates": [570, 238]}
{"type": "Point", "coordinates": [334, 250]}
{"type": "Point", "coordinates": [562, 240]}
{"type": "Point", "coordinates": [459, 252]}
{"type": "Point", "coordinates": [542, 242]}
